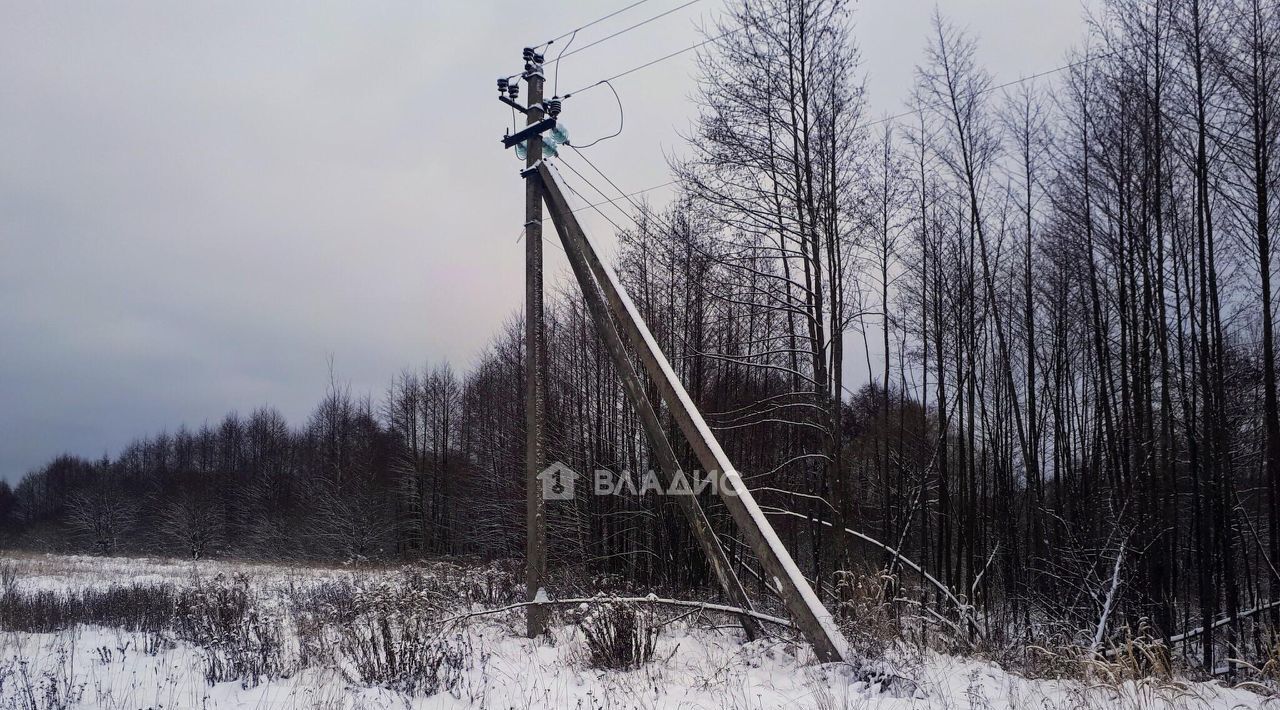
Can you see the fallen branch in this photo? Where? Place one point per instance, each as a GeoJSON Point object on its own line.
{"type": "Point", "coordinates": [939, 617]}
{"type": "Point", "coordinates": [965, 610]}
{"type": "Point", "coordinates": [1109, 604]}
{"type": "Point", "coordinates": [1222, 622]}
{"type": "Point", "coordinates": [1188, 635]}
{"type": "Point", "coordinates": [699, 606]}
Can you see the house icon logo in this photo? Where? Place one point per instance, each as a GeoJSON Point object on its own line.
{"type": "Point", "coordinates": [557, 481]}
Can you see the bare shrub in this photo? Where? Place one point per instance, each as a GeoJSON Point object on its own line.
{"type": "Point", "coordinates": [8, 578]}
{"type": "Point", "coordinates": [52, 687]}
{"type": "Point", "coordinates": [405, 657]}
{"type": "Point", "coordinates": [132, 608]}
{"type": "Point", "coordinates": [619, 635]}
{"type": "Point", "coordinates": [388, 633]}
{"type": "Point", "coordinates": [1140, 659]}
{"type": "Point", "coordinates": [492, 585]}
{"type": "Point", "coordinates": [1141, 655]}
{"type": "Point", "coordinates": [239, 644]}
{"type": "Point", "coordinates": [869, 619]}
{"type": "Point", "coordinates": [1269, 669]}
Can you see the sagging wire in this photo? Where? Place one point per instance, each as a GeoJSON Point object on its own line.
{"type": "Point", "coordinates": [614, 200]}
{"type": "Point", "coordinates": [622, 117]}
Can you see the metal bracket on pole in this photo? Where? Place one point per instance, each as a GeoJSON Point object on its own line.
{"type": "Point", "coordinates": [533, 129]}
{"type": "Point", "coordinates": [513, 104]}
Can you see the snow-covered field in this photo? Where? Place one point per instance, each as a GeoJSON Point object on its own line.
{"type": "Point", "coordinates": [314, 637]}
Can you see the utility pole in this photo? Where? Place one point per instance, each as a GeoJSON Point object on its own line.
{"type": "Point", "coordinates": [604, 293]}
{"type": "Point", "coordinates": [535, 393]}
{"type": "Point", "coordinates": [529, 139]}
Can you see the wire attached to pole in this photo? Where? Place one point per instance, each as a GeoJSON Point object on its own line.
{"type": "Point", "coordinates": [625, 30]}
{"type": "Point", "coordinates": [555, 88]}
{"type": "Point", "coordinates": [591, 23]}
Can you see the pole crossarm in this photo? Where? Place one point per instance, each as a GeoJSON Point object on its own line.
{"type": "Point", "coordinates": [812, 618]}
{"type": "Point", "coordinates": [533, 129]}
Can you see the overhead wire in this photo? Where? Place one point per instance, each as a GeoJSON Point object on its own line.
{"type": "Point", "coordinates": [592, 23]}
{"type": "Point", "coordinates": [573, 33]}
{"type": "Point", "coordinates": [625, 30]}
{"type": "Point", "coordinates": [665, 57]}
{"type": "Point", "coordinates": [660, 220]}
{"type": "Point", "coordinates": [634, 221]}
{"type": "Point", "coordinates": [633, 194]}
{"type": "Point", "coordinates": [1070, 65]}
{"type": "Point", "coordinates": [545, 239]}
{"type": "Point", "coordinates": [621, 120]}
{"type": "Point", "coordinates": [614, 185]}
{"type": "Point", "coordinates": [595, 206]}
{"type": "Point", "coordinates": [608, 81]}
{"type": "Point", "coordinates": [736, 30]}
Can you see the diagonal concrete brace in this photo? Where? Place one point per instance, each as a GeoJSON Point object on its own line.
{"type": "Point", "coordinates": [662, 450]}
{"type": "Point", "coordinates": [813, 619]}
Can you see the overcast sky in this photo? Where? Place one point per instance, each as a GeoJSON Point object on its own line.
{"type": "Point", "coordinates": [200, 203]}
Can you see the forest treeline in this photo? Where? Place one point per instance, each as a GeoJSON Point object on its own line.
{"type": "Point", "coordinates": [1059, 290]}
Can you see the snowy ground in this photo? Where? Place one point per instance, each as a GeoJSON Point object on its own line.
{"type": "Point", "coordinates": [696, 666]}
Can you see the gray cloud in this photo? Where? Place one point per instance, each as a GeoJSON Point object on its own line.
{"type": "Point", "coordinates": [200, 202]}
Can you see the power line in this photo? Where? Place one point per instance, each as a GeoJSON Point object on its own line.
{"type": "Point", "coordinates": [664, 58]}
{"type": "Point", "coordinates": [614, 185]}
{"type": "Point", "coordinates": [555, 91]}
{"type": "Point", "coordinates": [1005, 85]}
{"type": "Point", "coordinates": [634, 221]}
{"type": "Point", "coordinates": [614, 200]}
{"type": "Point", "coordinates": [595, 206]}
{"type": "Point", "coordinates": [736, 30]}
{"type": "Point", "coordinates": [596, 21]}
{"type": "Point", "coordinates": [546, 239]}
{"type": "Point", "coordinates": [998, 87]}
{"type": "Point", "coordinates": [646, 65]}
{"type": "Point", "coordinates": [1047, 72]}
{"type": "Point", "coordinates": [623, 31]}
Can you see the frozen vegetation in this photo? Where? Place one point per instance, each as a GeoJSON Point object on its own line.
{"type": "Point", "coordinates": [93, 632]}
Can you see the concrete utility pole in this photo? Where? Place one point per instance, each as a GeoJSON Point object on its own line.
{"type": "Point", "coordinates": [535, 394]}
{"type": "Point", "coordinates": [604, 293]}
